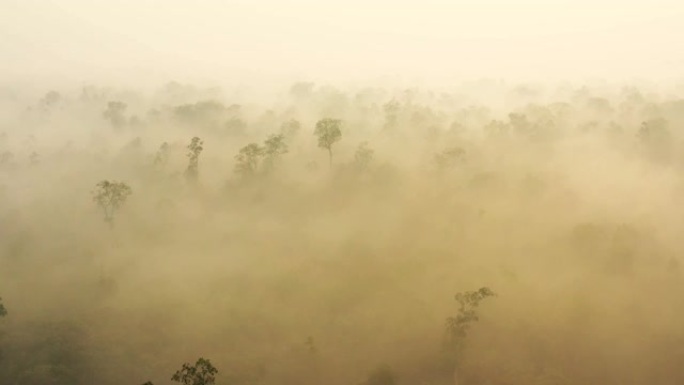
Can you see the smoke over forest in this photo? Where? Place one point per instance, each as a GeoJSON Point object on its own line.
{"type": "Point", "coordinates": [323, 237]}
{"type": "Point", "coordinates": [328, 195]}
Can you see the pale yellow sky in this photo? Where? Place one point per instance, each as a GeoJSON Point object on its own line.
{"type": "Point", "coordinates": [431, 40]}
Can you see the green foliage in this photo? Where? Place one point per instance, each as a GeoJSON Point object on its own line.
{"type": "Point", "coordinates": [195, 148]}
{"type": "Point", "coordinates": [457, 327]}
{"type": "Point", "coordinates": [110, 196]}
{"type": "Point", "coordinates": [202, 373]}
{"type": "Point", "coordinates": [274, 147]}
{"type": "Point", "coordinates": [250, 157]}
{"type": "Point", "coordinates": [248, 160]}
{"type": "Point", "coordinates": [328, 133]}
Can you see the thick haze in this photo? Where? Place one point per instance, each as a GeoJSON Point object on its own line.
{"type": "Point", "coordinates": [428, 41]}
{"type": "Point", "coordinates": [323, 192]}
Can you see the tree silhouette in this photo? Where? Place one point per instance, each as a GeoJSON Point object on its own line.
{"type": "Point", "coordinates": [457, 327]}
{"type": "Point", "coordinates": [328, 133]}
{"type": "Point", "coordinates": [195, 148]}
{"type": "Point", "coordinates": [248, 160]}
{"type": "Point", "coordinates": [110, 196]}
{"type": "Point", "coordinates": [274, 147]}
{"type": "Point", "coordinates": [202, 373]}
{"type": "Point", "coordinates": [3, 311]}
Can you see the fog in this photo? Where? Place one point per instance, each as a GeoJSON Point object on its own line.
{"type": "Point", "coordinates": [429, 41]}
{"type": "Point", "coordinates": [358, 193]}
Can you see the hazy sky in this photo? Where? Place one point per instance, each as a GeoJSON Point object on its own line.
{"type": "Point", "coordinates": [431, 40]}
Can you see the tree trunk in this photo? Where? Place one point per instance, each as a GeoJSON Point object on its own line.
{"type": "Point", "coordinates": [330, 155]}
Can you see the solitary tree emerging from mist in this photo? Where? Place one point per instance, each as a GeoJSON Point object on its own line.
{"type": "Point", "coordinates": [110, 196]}
{"type": "Point", "coordinates": [202, 373]}
{"type": "Point", "coordinates": [468, 302]}
{"type": "Point", "coordinates": [248, 160]}
{"type": "Point", "coordinates": [457, 327]}
{"type": "Point", "coordinates": [328, 133]}
{"type": "Point", "coordinates": [194, 150]}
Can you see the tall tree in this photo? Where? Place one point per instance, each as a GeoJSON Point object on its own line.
{"type": "Point", "coordinates": [248, 160]}
{"type": "Point", "coordinates": [195, 148]}
{"type": "Point", "coordinates": [328, 133]}
{"type": "Point", "coordinates": [274, 147]}
{"type": "Point", "coordinates": [457, 327]}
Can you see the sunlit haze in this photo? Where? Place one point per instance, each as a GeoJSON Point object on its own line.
{"type": "Point", "coordinates": [432, 41]}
